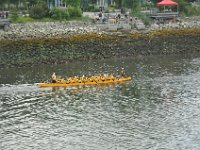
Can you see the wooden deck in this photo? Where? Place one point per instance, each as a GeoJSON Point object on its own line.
{"type": "Point", "coordinates": [164, 15]}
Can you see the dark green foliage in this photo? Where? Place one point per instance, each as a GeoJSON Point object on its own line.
{"type": "Point", "coordinates": [136, 7]}
{"type": "Point", "coordinates": [38, 11]}
{"type": "Point", "coordinates": [88, 5]}
{"type": "Point", "coordinates": [58, 13]}
{"type": "Point", "coordinates": [182, 5]}
{"type": "Point", "coordinates": [145, 18]}
{"type": "Point", "coordinates": [74, 12]}
{"type": "Point", "coordinates": [187, 9]}
{"type": "Point", "coordinates": [74, 3]}
{"type": "Point", "coordinates": [128, 3]}
{"type": "Point", "coordinates": [118, 3]}
{"type": "Point", "coordinates": [92, 8]}
{"type": "Point", "coordinates": [14, 15]}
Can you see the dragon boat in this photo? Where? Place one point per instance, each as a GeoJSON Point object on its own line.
{"type": "Point", "coordinates": [82, 83]}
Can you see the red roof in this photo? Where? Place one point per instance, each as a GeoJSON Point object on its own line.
{"type": "Point", "coordinates": [167, 3]}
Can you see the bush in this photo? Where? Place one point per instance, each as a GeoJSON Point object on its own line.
{"type": "Point", "coordinates": [14, 16]}
{"type": "Point", "coordinates": [109, 9]}
{"type": "Point", "coordinates": [92, 8]}
{"type": "Point", "coordinates": [136, 7]}
{"type": "Point", "coordinates": [186, 9]}
{"type": "Point", "coordinates": [58, 13]}
{"type": "Point", "coordinates": [145, 19]}
{"type": "Point", "coordinates": [38, 11]}
{"type": "Point", "coordinates": [191, 11]}
{"type": "Point", "coordinates": [74, 12]}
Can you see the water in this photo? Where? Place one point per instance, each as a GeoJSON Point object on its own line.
{"type": "Point", "coordinates": [159, 109]}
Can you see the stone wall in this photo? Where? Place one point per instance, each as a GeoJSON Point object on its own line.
{"type": "Point", "coordinates": [91, 46]}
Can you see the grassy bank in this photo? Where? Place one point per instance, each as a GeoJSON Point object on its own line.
{"type": "Point", "coordinates": [30, 20]}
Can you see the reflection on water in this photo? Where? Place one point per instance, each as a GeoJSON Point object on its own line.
{"type": "Point", "coordinates": [159, 109]}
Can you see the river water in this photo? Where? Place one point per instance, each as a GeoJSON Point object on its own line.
{"type": "Point", "coordinates": [159, 109]}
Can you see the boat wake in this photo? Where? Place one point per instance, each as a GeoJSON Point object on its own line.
{"type": "Point", "coordinates": [8, 89]}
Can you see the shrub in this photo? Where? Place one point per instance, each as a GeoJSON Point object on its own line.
{"type": "Point", "coordinates": [146, 19]}
{"type": "Point", "coordinates": [109, 9]}
{"type": "Point", "coordinates": [14, 16]}
{"type": "Point", "coordinates": [74, 12]}
{"type": "Point", "coordinates": [58, 13]}
{"type": "Point", "coordinates": [92, 8]}
{"type": "Point", "coordinates": [192, 11]}
{"type": "Point", "coordinates": [38, 11]}
{"type": "Point", "coordinates": [185, 8]}
{"type": "Point", "coordinates": [136, 7]}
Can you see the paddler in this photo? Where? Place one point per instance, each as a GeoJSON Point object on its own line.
{"type": "Point", "coordinates": [53, 78]}
{"type": "Point", "coordinates": [63, 81]}
{"type": "Point", "coordinates": [124, 73]}
{"type": "Point", "coordinates": [112, 77]}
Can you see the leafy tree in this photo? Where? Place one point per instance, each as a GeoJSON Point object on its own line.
{"type": "Point", "coordinates": [74, 12]}
{"type": "Point", "coordinates": [182, 5]}
{"type": "Point", "coordinates": [74, 3]}
{"type": "Point", "coordinates": [38, 11]}
{"type": "Point", "coordinates": [118, 3]}
{"type": "Point", "coordinates": [36, 2]}
{"type": "Point", "coordinates": [127, 3]}
{"type": "Point", "coordinates": [136, 7]}
{"type": "Point", "coordinates": [58, 13]}
{"type": "Point", "coordinates": [85, 4]}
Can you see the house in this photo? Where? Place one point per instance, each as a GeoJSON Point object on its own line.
{"type": "Point", "coordinates": [56, 3]}
{"type": "Point", "coordinates": [104, 3]}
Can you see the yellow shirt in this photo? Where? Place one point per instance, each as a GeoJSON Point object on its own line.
{"type": "Point", "coordinates": [53, 77]}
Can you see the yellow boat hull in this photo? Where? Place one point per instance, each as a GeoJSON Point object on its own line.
{"type": "Point", "coordinates": [82, 84]}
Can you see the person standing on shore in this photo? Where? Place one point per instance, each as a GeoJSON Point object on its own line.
{"type": "Point", "coordinates": [6, 14]}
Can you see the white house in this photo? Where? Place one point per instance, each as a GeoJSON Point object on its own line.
{"type": "Point", "coordinates": [56, 3]}
{"type": "Point", "coordinates": [105, 3]}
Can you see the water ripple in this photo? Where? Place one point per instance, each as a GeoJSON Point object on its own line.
{"type": "Point", "coordinates": [158, 110]}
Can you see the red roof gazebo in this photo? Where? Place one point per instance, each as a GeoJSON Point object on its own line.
{"type": "Point", "coordinates": [167, 3]}
{"type": "Point", "coordinates": [167, 13]}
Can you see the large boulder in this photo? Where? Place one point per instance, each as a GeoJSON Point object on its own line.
{"type": "Point", "coordinates": [139, 25]}
{"type": "Point", "coordinates": [5, 23]}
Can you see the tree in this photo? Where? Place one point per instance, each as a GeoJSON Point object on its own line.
{"type": "Point", "coordinates": [74, 3]}
{"type": "Point", "coordinates": [85, 4]}
{"type": "Point", "coordinates": [136, 7]}
{"type": "Point", "coordinates": [127, 3]}
{"type": "Point", "coordinates": [118, 3]}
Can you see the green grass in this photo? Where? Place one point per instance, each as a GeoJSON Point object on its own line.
{"type": "Point", "coordinates": [29, 19]}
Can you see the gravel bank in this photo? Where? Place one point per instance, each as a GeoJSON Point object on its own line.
{"type": "Point", "coordinates": [62, 29]}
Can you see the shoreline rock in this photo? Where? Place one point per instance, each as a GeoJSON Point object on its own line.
{"type": "Point", "coordinates": [91, 46]}
{"type": "Point", "coordinates": [61, 42]}
{"type": "Point", "coordinates": [62, 29]}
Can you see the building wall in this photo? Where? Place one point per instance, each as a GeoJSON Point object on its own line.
{"type": "Point", "coordinates": [102, 3]}
{"type": "Point", "coordinates": [56, 3]}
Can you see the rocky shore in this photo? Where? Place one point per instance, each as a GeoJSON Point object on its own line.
{"type": "Point", "coordinates": [62, 29]}
{"type": "Point", "coordinates": [61, 42]}
{"type": "Point", "coordinates": [46, 30]}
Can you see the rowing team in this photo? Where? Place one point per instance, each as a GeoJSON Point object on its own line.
{"type": "Point", "coordinates": [83, 79]}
